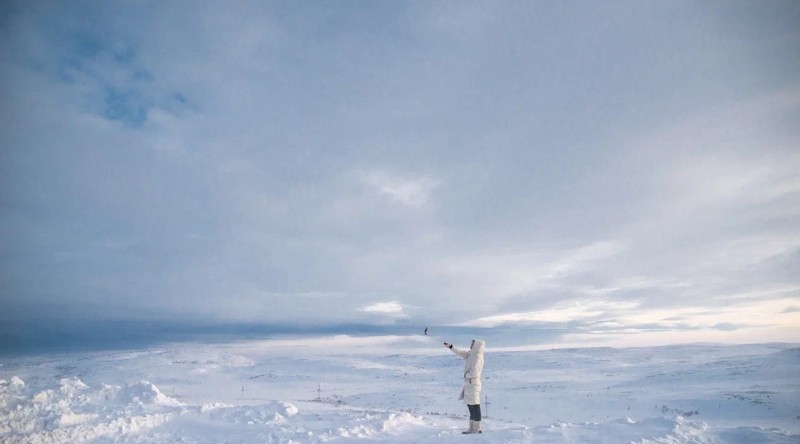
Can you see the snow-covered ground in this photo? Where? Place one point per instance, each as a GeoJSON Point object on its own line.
{"type": "Point", "coordinates": [401, 389]}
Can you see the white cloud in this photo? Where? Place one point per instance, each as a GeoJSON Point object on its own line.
{"type": "Point", "coordinates": [387, 308]}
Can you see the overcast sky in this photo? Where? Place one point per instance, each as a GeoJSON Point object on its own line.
{"type": "Point", "coordinates": [613, 168]}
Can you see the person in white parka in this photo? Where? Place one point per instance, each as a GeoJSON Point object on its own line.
{"type": "Point", "coordinates": [471, 393]}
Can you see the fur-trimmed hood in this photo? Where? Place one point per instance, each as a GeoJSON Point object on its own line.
{"type": "Point", "coordinates": [474, 365]}
{"type": "Point", "coordinates": [479, 347]}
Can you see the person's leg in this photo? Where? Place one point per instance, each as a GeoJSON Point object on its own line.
{"type": "Point", "coordinates": [471, 421]}
{"type": "Point", "coordinates": [475, 412]}
{"type": "Point", "coordinates": [475, 418]}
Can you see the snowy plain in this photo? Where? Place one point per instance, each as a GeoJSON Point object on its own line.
{"type": "Point", "coordinates": [400, 389]}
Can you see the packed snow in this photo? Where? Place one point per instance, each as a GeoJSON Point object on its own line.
{"type": "Point", "coordinates": [401, 389]}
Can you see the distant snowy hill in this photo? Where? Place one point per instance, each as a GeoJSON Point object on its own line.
{"type": "Point", "coordinates": [401, 389]}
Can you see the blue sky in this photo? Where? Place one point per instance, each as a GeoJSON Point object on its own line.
{"type": "Point", "coordinates": [623, 171]}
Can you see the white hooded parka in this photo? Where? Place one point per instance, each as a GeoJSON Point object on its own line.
{"type": "Point", "coordinates": [473, 367]}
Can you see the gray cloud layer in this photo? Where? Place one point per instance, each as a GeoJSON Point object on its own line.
{"type": "Point", "coordinates": [376, 162]}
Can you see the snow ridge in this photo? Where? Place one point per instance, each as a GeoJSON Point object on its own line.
{"type": "Point", "coordinates": [73, 412]}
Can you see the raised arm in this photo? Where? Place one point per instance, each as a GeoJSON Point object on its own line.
{"type": "Point", "coordinates": [463, 353]}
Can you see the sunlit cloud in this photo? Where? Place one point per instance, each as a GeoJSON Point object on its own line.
{"type": "Point", "coordinates": [609, 317]}
{"type": "Point", "coordinates": [562, 313]}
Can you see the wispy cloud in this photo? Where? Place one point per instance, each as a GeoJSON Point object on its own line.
{"type": "Point", "coordinates": [576, 260]}
{"type": "Point", "coordinates": [413, 191]}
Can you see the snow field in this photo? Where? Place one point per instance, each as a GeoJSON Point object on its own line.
{"type": "Point", "coordinates": [380, 389]}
